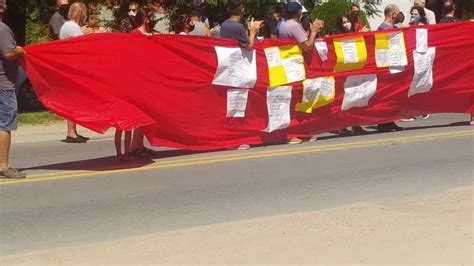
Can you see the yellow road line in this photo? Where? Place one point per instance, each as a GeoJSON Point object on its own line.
{"type": "Point", "coordinates": [241, 156]}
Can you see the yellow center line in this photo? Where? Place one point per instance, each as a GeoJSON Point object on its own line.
{"type": "Point", "coordinates": [240, 156]}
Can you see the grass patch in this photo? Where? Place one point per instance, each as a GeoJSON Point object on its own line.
{"type": "Point", "coordinates": [36, 118]}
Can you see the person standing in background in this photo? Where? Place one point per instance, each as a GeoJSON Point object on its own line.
{"type": "Point", "coordinates": [430, 15]}
{"type": "Point", "coordinates": [58, 19]}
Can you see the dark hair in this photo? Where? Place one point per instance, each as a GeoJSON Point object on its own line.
{"type": "Point", "coordinates": [142, 14]}
{"type": "Point", "coordinates": [422, 13]}
{"type": "Point", "coordinates": [279, 8]}
{"type": "Point", "coordinates": [195, 13]}
{"type": "Point", "coordinates": [355, 5]}
{"type": "Point", "coordinates": [234, 7]}
{"type": "Point", "coordinates": [340, 26]}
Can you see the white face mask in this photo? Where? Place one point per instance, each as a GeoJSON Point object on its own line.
{"type": "Point", "coordinates": [132, 13]}
{"type": "Point", "coordinates": [347, 26]}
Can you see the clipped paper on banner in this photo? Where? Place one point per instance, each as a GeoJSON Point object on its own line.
{"type": "Point", "coordinates": [390, 51]}
{"type": "Point", "coordinates": [322, 49]}
{"type": "Point", "coordinates": [236, 67]}
{"type": "Point", "coordinates": [285, 64]}
{"type": "Point", "coordinates": [237, 102]}
{"type": "Point", "coordinates": [358, 90]}
{"type": "Point", "coordinates": [317, 92]}
{"type": "Point", "coordinates": [278, 106]}
{"type": "Point", "coordinates": [351, 54]}
{"type": "Point", "coordinates": [421, 40]}
{"type": "Point", "coordinates": [423, 75]}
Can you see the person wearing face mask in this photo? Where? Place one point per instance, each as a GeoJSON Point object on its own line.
{"type": "Point", "coordinates": [392, 16]}
{"type": "Point", "coordinates": [430, 15]}
{"type": "Point", "coordinates": [448, 12]}
{"type": "Point", "coordinates": [356, 19]}
{"type": "Point", "coordinates": [128, 24]}
{"type": "Point", "coordinates": [418, 16]}
{"type": "Point", "coordinates": [58, 19]}
{"type": "Point", "coordinates": [72, 28]}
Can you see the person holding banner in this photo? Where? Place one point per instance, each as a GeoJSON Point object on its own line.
{"type": "Point", "coordinates": [9, 54]}
{"type": "Point", "coordinates": [392, 17]}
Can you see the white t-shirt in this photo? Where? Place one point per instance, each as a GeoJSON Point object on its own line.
{"type": "Point", "coordinates": [430, 16]}
{"type": "Point", "coordinates": [70, 29]}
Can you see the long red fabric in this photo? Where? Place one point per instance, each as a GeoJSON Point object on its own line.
{"type": "Point", "coordinates": [164, 83]}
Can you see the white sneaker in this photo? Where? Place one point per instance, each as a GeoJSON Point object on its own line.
{"type": "Point", "coordinates": [424, 117]}
{"type": "Point", "coordinates": [295, 141]}
{"type": "Point", "coordinates": [313, 138]}
{"type": "Point", "coordinates": [243, 147]}
{"type": "Point", "coordinates": [407, 119]}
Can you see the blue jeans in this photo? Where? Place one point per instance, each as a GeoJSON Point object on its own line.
{"type": "Point", "coordinates": [8, 110]}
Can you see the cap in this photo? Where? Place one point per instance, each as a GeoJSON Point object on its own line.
{"type": "Point", "coordinates": [300, 2]}
{"type": "Point", "coordinates": [292, 7]}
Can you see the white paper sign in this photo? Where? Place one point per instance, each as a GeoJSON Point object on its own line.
{"type": "Point", "coordinates": [396, 69]}
{"type": "Point", "coordinates": [421, 40]}
{"type": "Point", "coordinates": [294, 68]}
{"type": "Point", "coordinates": [358, 90]}
{"type": "Point", "coordinates": [322, 48]}
{"type": "Point", "coordinates": [327, 87]}
{"type": "Point", "coordinates": [278, 104]}
{"type": "Point", "coordinates": [236, 67]}
{"type": "Point", "coordinates": [381, 57]}
{"type": "Point", "coordinates": [237, 102]}
{"type": "Point", "coordinates": [423, 75]}
{"type": "Point", "coordinates": [273, 56]}
{"type": "Point", "coordinates": [311, 89]}
{"type": "Point", "coordinates": [349, 50]}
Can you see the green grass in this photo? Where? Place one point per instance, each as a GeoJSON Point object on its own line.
{"type": "Point", "coordinates": [37, 118]}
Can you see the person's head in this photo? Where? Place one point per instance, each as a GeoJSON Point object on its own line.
{"type": "Point", "coordinates": [62, 6]}
{"type": "Point", "coordinates": [420, 3]}
{"type": "Point", "coordinates": [417, 15]}
{"type": "Point", "coordinates": [448, 6]}
{"type": "Point", "coordinates": [355, 8]}
{"type": "Point", "coordinates": [78, 13]}
{"type": "Point", "coordinates": [144, 18]}
{"type": "Point", "coordinates": [345, 24]}
{"type": "Point", "coordinates": [235, 8]}
{"type": "Point", "coordinates": [293, 10]}
{"type": "Point", "coordinates": [392, 14]}
{"type": "Point", "coordinates": [278, 10]}
{"type": "Point", "coordinates": [3, 8]}
{"type": "Point", "coordinates": [184, 24]}
{"type": "Point", "coordinates": [195, 15]}
{"type": "Point", "coordinates": [133, 8]}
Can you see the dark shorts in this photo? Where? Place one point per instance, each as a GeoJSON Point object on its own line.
{"type": "Point", "coordinates": [8, 110]}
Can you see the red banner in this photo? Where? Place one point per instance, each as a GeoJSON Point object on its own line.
{"type": "Point", "coordinates": [164, 83]}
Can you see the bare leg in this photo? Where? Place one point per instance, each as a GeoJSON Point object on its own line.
{"type": "Point", "coordinates": [5, 141]}
{"type": "Point", "coordinates": [71, 129]}
{"type": "Point", "coordinates": [118, 142]}
{"type": "Point", "coordinates": [138, 138]}
{"type": "Point", "coordinates": [128, 142]}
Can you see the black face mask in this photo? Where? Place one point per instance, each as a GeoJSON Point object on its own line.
{"type": "Point", "coordinates": [355, 16]}
{"type": "Point", "coordinates": [63, 10]}
{"type": "Point", "coordinates": [400, 18]}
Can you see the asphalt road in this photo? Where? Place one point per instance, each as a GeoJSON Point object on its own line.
{"type": "Point", "coordinates": [78, 194]}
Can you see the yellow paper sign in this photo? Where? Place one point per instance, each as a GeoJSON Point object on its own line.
{"type": "Point", "coordinates": [317, 92]}
{"type": "Point", "coordinates": [351, 54]}
{"type": "Point", "coordinates": [285, 64]}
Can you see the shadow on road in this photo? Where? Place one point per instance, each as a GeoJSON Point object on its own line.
{"type": "Point", "coordinates": [111, 163]}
